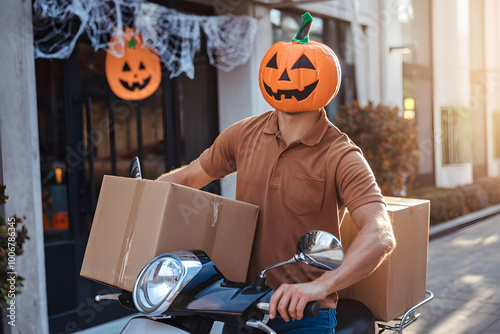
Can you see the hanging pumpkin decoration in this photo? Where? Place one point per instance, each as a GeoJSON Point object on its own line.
{"type": "Point", "coordinates": [137, 74]}
{"type": "Point", "coordinates": [301, 75]}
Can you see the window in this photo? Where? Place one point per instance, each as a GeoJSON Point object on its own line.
{"type": "Point", "coordinates": [456, 135]}
{"type": "Point", "coordinates": [286, 24]}
{"type": "Point", "coordinates": [409, 108]}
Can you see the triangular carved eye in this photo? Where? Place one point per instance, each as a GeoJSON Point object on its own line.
{"type": "Point", "coordinates": [303, 62]}
{"type": "Point", "coordinates": [126, 68]}
{"type": "Point", "coordinates": [141, 67]}
{"type": "Point", "coordinates": [284, 76]}
{"type": "Point", "coordinates": [272, 62]}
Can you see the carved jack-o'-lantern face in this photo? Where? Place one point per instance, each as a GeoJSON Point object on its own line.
{"type": "Point", "coordinates": [137, 74]}
{"type": "Point", "coordinates": [299, 76]}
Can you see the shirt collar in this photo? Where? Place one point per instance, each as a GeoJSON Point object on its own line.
{"type": "Point", "coordinates": [311, 138]}
{"type": "Point", "coordinates": [271, 127]}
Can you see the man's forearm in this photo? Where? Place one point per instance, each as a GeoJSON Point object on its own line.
{"type": "Point", "coordinates": [374, 242]}
{"type": "Point", "coordinates": [364, 255]}
{"type": "Point", "coordinates": [191, 175]}
{"type": "Point", "coordinates": [175, 176]}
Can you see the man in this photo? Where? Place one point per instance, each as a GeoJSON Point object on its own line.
{"type": "Point", "coordinates": [302, 172]}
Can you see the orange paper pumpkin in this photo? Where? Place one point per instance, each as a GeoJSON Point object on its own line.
{"type": "Point", "coordinates": [137, 74]}
{"type": "Point", "coordinates": [301, 75]}
{"type": "Point", "coordinates": [60, 221]}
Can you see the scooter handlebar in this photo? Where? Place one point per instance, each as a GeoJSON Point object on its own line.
{"type": "Point", "coordinates": [311, 309]}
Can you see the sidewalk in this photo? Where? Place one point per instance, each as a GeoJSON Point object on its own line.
{"type": "Point", "coordinates": [464, 275]}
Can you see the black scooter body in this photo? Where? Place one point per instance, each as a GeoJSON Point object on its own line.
{"type": "Point", "coordinates": [210, 297]}
{"type": "Point", "coordinates": [209, 293]}
{"type": "Point", "coordinates": [353, 317]}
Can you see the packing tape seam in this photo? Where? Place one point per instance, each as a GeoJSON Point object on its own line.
{"type": "Point", "coordinates": [214, 212]}
{"type": "Point", "coordinates": [129, 233]}
{"type": "Point", "coordinates": [216, 203]}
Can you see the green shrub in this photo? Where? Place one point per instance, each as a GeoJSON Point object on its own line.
{"type": "Point", "coordinates": [476, 198]}
{"type": "Point", "coordinates": [446, 203]}
{"type": "Point", "coordinates": [492, 187]}
{"type": "Point", "coordinates": [387, 140]}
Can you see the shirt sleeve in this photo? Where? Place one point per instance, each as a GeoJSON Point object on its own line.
{"type": "Point", "coordinates": [219, 160]}
{"type": "Point", "coordinates": [355, 182]}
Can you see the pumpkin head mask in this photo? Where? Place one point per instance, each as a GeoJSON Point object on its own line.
{"type": "Point", "coordinates": [137, 74]}
{"type": "Point", "coordinates": [301, 75]}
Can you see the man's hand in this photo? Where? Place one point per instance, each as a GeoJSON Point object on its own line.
{"type": "Point", "coordinates": [291, 299]}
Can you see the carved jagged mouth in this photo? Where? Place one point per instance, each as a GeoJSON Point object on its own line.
{"type": "Point", "coordinates": [135, 84]}
{"type": "Point", "coordinates": [298, 94]}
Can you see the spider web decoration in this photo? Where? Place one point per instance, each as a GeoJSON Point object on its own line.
{"type": "Point", "coordinates": [231, 40]}
{"type": "Point", "coordinates": [104, 16]}
{"type": "Point", "coordinates": [55, 37]}
{"type": "Point", "coordinates": [176, 36]}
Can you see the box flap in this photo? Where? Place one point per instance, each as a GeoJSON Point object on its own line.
{"type": "Point", "coordinates": [404, 201]}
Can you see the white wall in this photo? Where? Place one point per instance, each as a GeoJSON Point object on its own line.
{"type": "Point", "coordinates": [364, 44]}
{"type": "Point", "coordinates": [492, 65]}
{"type": "Point", "coordinates": [392, 64]}
{"type": "Point", "coordinates": [238, 90]}
{"type": "Point", "coordinates": [21, 162]}
{"type": "Point", "coordinates": [450, 50]}
{"type": "Point", "coordinates": [341, 9]}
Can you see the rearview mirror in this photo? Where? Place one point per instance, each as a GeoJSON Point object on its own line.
{"type": "Point", "coordinates": [135, 169]}
{"type": "Point", "coordinates": [319, 249]}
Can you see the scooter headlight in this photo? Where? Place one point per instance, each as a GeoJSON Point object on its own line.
{"type": "Point", "coordinates": [161, 280]}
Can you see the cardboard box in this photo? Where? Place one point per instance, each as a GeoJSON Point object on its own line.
{"type": "Point", "coordinates": [399, 283]}
{"type": "Point", "coordinates": [136, 220]}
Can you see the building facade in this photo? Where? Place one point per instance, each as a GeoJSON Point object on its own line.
{"type": "Point", "coordinates": [61, 129]}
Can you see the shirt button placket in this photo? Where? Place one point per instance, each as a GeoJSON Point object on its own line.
{"type": "Point", "coordinates": [275, 176]}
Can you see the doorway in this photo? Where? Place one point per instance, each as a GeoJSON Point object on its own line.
{"type": "Point", "coordinates": [86, 132]}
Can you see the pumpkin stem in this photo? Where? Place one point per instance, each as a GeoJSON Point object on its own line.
{"type": "Point", "coordinates": [132, 43]}
{"type": "Point", "coordinates": [302, 36]}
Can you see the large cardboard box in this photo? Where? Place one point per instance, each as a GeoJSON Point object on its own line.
{"type": "Point", "coordinates": [136, 220]}
{"type": "Point", "coordinates": [399, 283]}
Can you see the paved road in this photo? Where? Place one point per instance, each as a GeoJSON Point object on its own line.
{"type": "Point", "coordinates": [464, 274]}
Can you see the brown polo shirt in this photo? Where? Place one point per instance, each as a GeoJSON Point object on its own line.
{"type": "Point", "coordinates": [300, 187]}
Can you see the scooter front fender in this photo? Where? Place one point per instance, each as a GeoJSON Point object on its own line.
{"type": "Point", "coordinates": [141, 325]}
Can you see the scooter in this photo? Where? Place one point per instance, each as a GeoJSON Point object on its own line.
{"type": "Point", "coordinates": [184, 292]}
